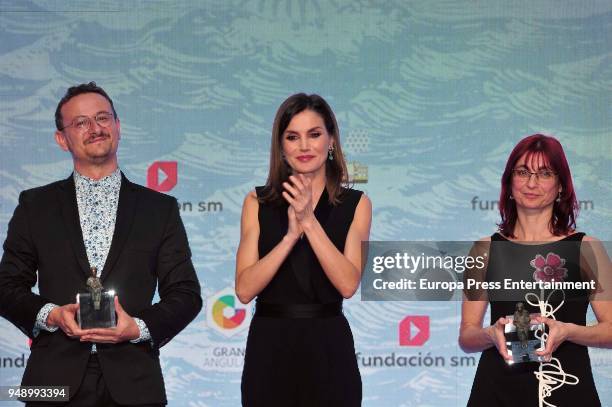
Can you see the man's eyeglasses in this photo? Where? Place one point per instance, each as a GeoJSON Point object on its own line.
{"type": "Point", "coordinates": [83, 123]}
{"type": "Point", "coordinates": [541, 175]}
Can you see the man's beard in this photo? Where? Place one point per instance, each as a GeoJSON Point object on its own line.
{"type": "Point", "coordinates": [99, 156]}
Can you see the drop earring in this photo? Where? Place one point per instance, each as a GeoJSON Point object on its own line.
{"type": "Point", "coordinates": [330, 153]}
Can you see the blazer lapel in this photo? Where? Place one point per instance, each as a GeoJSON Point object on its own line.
{"type": "Point", "coordinates": [70, 213]}
{"type": "Point", "coordinates": [126, 210]}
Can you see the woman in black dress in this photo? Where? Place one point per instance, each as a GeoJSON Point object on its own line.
{"type": "Point", "coordinates": [537, 241]}
{"type": "Point", "coordinates": [300, 255]}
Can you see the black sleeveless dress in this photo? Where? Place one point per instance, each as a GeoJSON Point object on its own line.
{"type": "Point", "coordinates": [499, 384]}
{"type": "Point", "coordinates": [306, 362]}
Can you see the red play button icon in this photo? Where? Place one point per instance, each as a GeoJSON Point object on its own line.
{"type": "Point", "coordinates": [414, 330]}
{"type": "Point", "coordinates": [169, 175]}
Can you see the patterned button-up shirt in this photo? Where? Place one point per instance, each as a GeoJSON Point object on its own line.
{"type": "Point", "coordinates": [97, 201]}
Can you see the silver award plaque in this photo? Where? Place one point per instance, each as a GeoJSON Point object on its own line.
{"type": "Point", "coordinates": [520, 333]}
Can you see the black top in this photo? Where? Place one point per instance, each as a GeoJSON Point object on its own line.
{"type": "Point", "coordinates": [519, 261]}
{"type": "Point", "coordinates": [301, 279]}
{"type": "Point", "coordinates": [497, 383]}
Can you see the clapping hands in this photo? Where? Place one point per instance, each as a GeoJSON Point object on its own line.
{"type": "Point", "coordinates": [298, 193]}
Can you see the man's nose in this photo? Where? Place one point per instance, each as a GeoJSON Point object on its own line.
{"type": "Point", "coordinates": [94, 127]}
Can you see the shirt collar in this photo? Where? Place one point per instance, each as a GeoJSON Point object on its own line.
{"type": "Point", "coordinates": [112, 180]}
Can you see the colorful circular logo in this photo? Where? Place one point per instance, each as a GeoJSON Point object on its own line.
{"type": "Point", "coordinates": [225, 314]}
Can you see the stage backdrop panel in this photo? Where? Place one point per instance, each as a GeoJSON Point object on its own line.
{"type": "Point", "coordinates": [431, 96]}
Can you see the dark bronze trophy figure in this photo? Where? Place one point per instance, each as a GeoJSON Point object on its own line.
{"type": "Point", "coordinates": [97, 305]}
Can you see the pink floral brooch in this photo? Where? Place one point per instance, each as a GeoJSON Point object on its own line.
{"type": "Point", "coordinates": [549, 268]}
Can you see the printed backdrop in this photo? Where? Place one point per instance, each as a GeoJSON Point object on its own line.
{"type": "Point", "coordinates": [431, 96]}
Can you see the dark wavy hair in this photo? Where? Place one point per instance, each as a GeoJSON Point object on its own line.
{"type": "Point", "coordinates": [335, 170]}
{"type": "Point", "coordinates": [565, 212]}
{"type": "Point", "coordinates": [73, 91]}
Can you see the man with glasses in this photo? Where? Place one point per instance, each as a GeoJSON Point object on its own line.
{"type": "Point", "coordinates": [131, 237]}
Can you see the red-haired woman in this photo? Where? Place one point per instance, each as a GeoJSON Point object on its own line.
{"type": "Point", "coordinates": [300, 255]}
{"type": "Point", "coordinates": [537, 241]}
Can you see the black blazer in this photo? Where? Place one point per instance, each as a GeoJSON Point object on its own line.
{"type": "Point", "coordinates": [149, 248]}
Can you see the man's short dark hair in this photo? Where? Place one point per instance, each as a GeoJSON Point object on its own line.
{"type": "Point", "coordinates": [73, 91]}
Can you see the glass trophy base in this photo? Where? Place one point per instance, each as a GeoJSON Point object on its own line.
{"type": "Point", "coordinates": [88, 317]}
{"type": "Point", "coordinates": [523, 351]}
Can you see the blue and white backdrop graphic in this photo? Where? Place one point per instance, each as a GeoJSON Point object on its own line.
{"type": "Point", "coordinates": [431, 96]}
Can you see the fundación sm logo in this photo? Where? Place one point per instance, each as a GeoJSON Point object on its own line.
{"type": "Point", "coordinates": [414, 330]}
{"type": "Point", "coordinates": [225, 314]}
{"type": "Point", "coordinates": [168, 179]}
